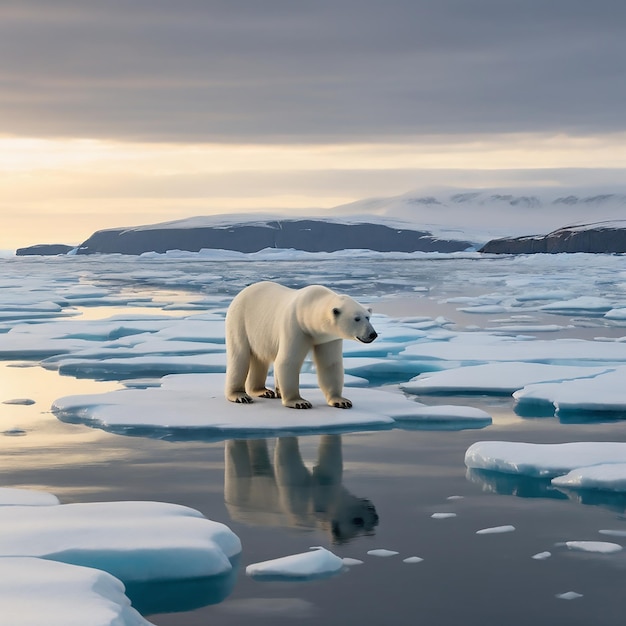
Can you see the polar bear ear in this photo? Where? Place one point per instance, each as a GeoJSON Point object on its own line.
{"type": "Point", "coordinates": [336, 312]}
{"type": "Point", "coordinates": [369, 309]}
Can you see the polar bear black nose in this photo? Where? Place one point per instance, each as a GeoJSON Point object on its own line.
{"type": "Point", "coordinates": [372, 335]}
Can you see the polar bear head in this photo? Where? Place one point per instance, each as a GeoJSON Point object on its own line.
{"type": "Point", "coordinates": [352, 320]}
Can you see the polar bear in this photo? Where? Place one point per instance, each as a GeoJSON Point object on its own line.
{"type": "Point", "coordinates": [268, 323]}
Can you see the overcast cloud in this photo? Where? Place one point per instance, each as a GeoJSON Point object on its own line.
{"type": "Point", "coordinates": [324, 70]}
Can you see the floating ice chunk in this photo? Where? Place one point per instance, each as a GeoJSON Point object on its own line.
{"type": "Point", "coordinates": [349, 562]}
{"type": "Point", "coordinates": [496, 530]}
{"type": "Point", "coordinates": [315, 564]}
{"type": "Point", "coordinates": [443, 515]}
{"type": "Point", "coordinates": [134, 541]}
{"type": "Point", "coordinates": [542, 459]}
{"type": "Point", "coordinates": [541, 556]}
{"type": "Point", "coordinates": [382, 552]}
{"type": "Point", "coordinates": [604, 393]}
{"type": "Point", "coordinates": [606, 476]}
{"type": "Point", "coordinates": [36, 591]}
{"type": "Point", "coordinates": [412, 559]}
{"type": "Point", "coordinates": [582, 304]}
{"type": "Point", "coordinates": [455, 497]}
{"type": "Point", "coordinates": [495, 378]}
{"type": "Point", "coordinates": [613, 533]}
{"type": "Point", "coordinates": [479, 347]}
{"type": "Point", "coordinates": [569, 595]}
{"type": "Point", "coordinates": [444, 417]}
{"type": "Point", "coordinates": [616, 314]}
{"type": "Point", "coordinates": [20, 401]}
{"type": "Point", "coordinates": [26, 497]}
{"type": "Point", "coordinates": [602, 547]}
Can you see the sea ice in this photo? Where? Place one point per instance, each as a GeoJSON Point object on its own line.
{"type": "Point", "coordinates": [545, 460]}
{"type": "Point", "coordinates": [569, 595]}
{"type": "Point", "coordinates": [496, 530]}
{"type": "Point", "coordinates": [36, 591]}
{"type": "Point", "coordinates": [605, 476]}
{"type": "Point", "coordinates": [192, 406]}
{"type": "Point", "coordinates": [315, 564]}
{"type": "Point", "coordinates": [412, 559]}
{"type": "Point", "coordinates": [382, 552]}
{"type": "Point", "coordinates": [443, 515]}
{"type": "Point", "coordinates": [541, 556]}
{"type": "Point", "coordinates": [134, 541]}
{"type": "Point", "coordinates": [19, 401]}
{"type": "Point", "coordinates": [601, 547]}
{"type": "Point", "coordinates": [603, 393]}
{"type": "Point", "coordinates": [495, 378]}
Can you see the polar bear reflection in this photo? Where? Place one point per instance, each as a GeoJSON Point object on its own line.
{"type": "Point", "coordinates": [287, 493]}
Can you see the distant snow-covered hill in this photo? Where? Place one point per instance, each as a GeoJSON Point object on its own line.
{"type": "Point", "coordinates": [481, 215]}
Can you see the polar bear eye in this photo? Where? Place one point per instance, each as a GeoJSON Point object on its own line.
{"type": "Point", "coordinates": [357, 318]}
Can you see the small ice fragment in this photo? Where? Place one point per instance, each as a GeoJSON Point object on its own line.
{"type": "Point", "coordinates": [603, 547]}
{"type": "Point", "coordinates": [382, 552]}
{"type": "Point", "coordinates": [495, 530]}
{"type": "Point", "coordinates": [349, 562]}
{"type": "Point", "coordinates": [443, 515]}
{"type": "Point", "coordinates": [316, 563]}
{"type": "Point", "coordinates": [569, 595]}
{"type": "Point", "coordinates": [22, 401]}
{"type": "Point", "coordinates": [412, 559]}
{"type": "Point", "coordinates": [541, 556]}
{"type": "Point", "coordinates": [613, 533]}
{"type": "Point", "coordinates": [455, 497]}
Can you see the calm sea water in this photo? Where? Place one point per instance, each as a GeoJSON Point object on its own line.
{"type": "Point", "coordinates": [384, 488]}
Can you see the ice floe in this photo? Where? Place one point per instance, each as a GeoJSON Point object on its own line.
{"type": "Point", "coordinates": [382, 552]}
{"type": "Point", "coordinates": [605, 476]}
{"type": "Point", "coordinates": [569, 595]}
{"type": "Point", "coordinates": [603, 393]}
{"type": "Point", "coordinates": [412, 559]}
{"type": "Point", "coordinates": [36, 591]}
{"type": "Point", "coordinates": [134, 541]}
{"type": "Point", "coordinates": [10, 496]}
{"type": "Point", "coordinates": [496, 378]}
{"type": "Point", "coordinates": [600, 547]}
{"type": "Point", "coordinates": [496, 530]}
{"type": "Point", "coordinates": [312, 565]}
{"type": "Point", "coordinates": [549, 460]}
{"type": "Point", "coordinates": [541, 556]}
{"type": "Point", "coordinates": [443, 515]}
{"type": "Point", "coordinates": [186, 406]}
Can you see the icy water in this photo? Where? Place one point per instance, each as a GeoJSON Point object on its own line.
{"type": "Point", "coordinates": [388, 484]}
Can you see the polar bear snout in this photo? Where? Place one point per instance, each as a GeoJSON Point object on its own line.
{"type": "Point", "coordinates": [369, 338]}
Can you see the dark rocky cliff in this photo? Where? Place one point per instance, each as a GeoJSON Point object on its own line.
{"type": "Point", "coordinates": [601, 237]}
{"type": "Point", "coordinates": [309, 235]}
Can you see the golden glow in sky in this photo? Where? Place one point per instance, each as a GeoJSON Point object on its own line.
{"type": "Point", "coordinates": [60, 191]}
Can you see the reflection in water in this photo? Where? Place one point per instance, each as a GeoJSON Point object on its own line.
{"type": "Point", "coordinates": [530, 487]}
{"type": "Point", "coordinates": [177, 596]}
{"type": "Point", "coordinates": [287, 493]}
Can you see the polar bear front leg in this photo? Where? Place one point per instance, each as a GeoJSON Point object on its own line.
{"type": "Point", "coordinates": [328, 358]}
{"type": "Point", "coordinates": [287, 373]}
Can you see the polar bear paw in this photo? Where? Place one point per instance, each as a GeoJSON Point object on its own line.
{"type": "Point", "coordinates": [298, 403]}
{"type": "Point", "coordinates": [340, 403]}
{"type": "Point", "coordinates": [240, 397]}
{"type": "Point", "coordinates": [264, 393]}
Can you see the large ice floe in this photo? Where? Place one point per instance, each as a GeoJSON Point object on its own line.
{"type": "Point", "coordinates": [85, 559]}
{"type": "Point", "coordinates": [194, 406]}
{"type": "Point", "coordinates": [66, 595]}
{"type": "Point", "coordinates": [574, 465]}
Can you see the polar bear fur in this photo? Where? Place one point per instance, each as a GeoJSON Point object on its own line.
{"type": "Point", "coordinates": [268, 323]}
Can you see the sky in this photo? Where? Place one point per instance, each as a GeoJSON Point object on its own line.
{"type": "Point", "coordinates": [130, 112]}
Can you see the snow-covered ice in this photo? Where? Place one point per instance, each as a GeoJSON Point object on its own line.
{"type": "Point", "coordinates": [496, 530]}
{"type": "Point", "coordinates": [605, 476]}
{"type": "Point", "coordinates": [134, 541]}
{"type": "Point", "coordinates": [569, 595]}
{"type": "Point", "coordinates": [382, 552]}
{"type": "Point", "coordinates": [443, 515]}
{"type": "Point", "coordinates": [316, 563]}
{"type": "Point", "coordinates": [10, 496]}
{"type": "Point", "coordinates": [67, 595]}
{"type": "Point", "coordinates": [541, 556]}
{"type": "Point", "coordinates": [542, 460]}
{"type": "Point", "coordinates": [412, 559]}
{"type": "Point", "coordinates": [599, 547]}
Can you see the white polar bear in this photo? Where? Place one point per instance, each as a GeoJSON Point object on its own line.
{"type": "Point", "coordinates": [268, 323]}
